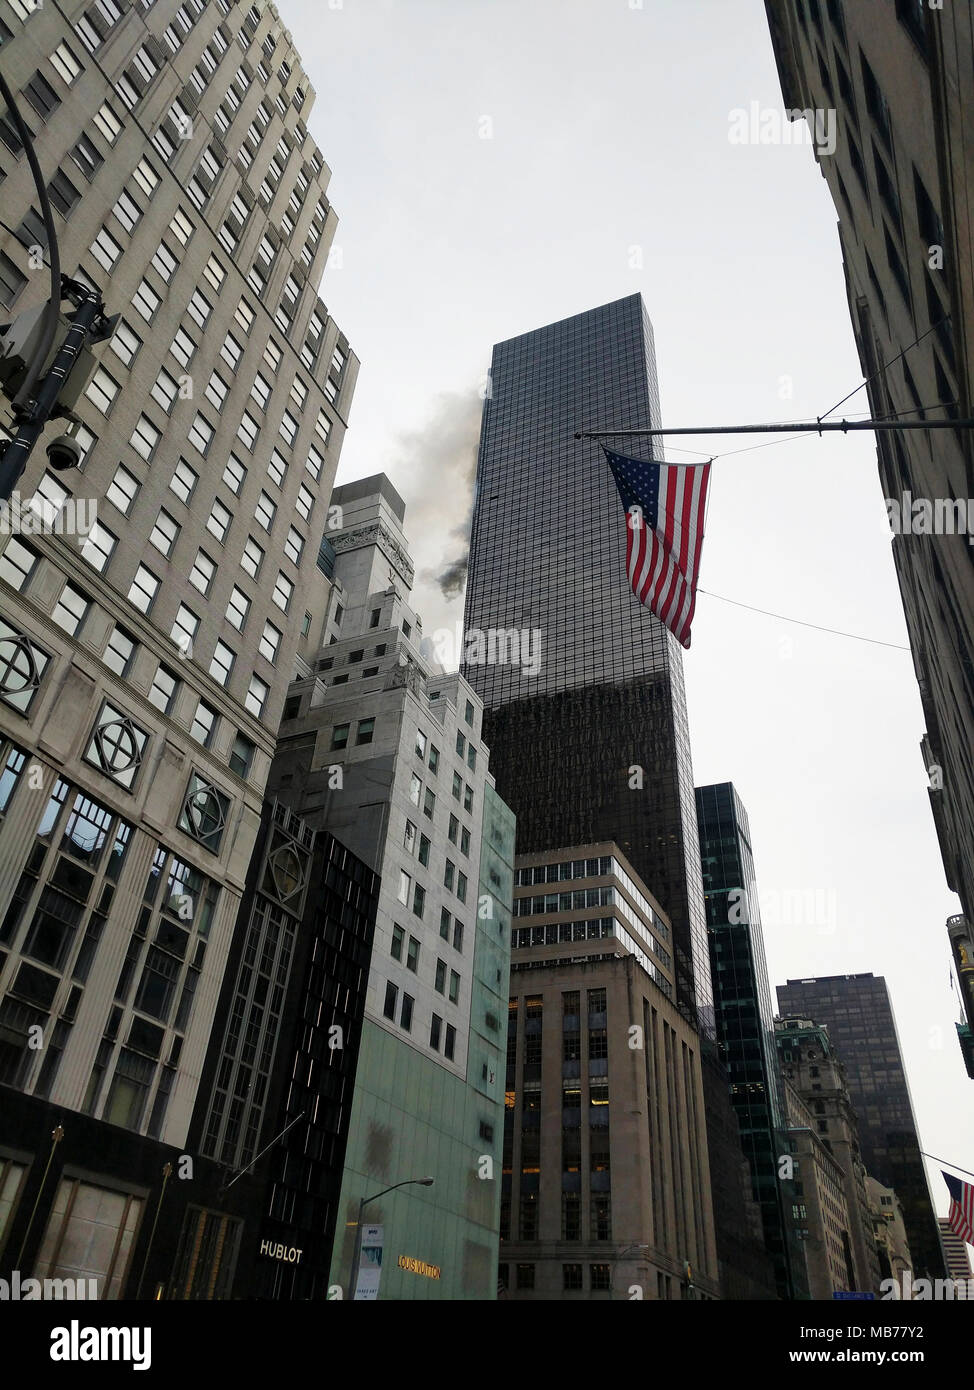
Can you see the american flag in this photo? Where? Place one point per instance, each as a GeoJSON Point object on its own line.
{"type": "Point", "coordinates": [665, 504]}
{"type": "Point", "coordinates": [960, 1218]}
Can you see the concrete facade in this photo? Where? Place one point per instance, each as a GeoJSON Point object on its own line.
{"type": "Point", "coordinates": [386, 753]}
{"type": "Point", "coordinates": [606, 1168]}
{"type": "Point", "coordinates": [144, 662]}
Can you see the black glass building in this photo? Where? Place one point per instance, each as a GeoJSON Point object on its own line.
{"type": "Point", "coordinates": [857, 1011]}
{"type": "Point", "coordinates": [744, 1015]}
{"type": "Point", "coordinates": [588, 735]}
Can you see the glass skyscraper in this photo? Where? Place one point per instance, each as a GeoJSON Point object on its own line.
{"type": "Point", "coordinates": [857, 1011]}
{"type": "Point", "coordinates": [744, 1013]}
{"type": "Point", "coordinates": [588, 728]}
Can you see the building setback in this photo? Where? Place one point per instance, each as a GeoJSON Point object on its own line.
{"type": "Point", "coordinates": [744, 1015]}
{"type": "Point", "coordinates": [386, 754]}
{"type": "Point", "coordinates": [857, 1012]}
{"type": "Point", "coordinates": [962, 949]}
{"type": "Point", "coordinates": [142, 673]}
{"type": "Point", "coordinates": [606, 1173]}
{"type": "Point", "coordinates": [898, 81]}
{"type": "Point", "coordinates": [819, 1096]}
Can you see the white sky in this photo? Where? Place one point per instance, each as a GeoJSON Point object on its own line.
{"type": "Point", "coordinates": [610, 132]}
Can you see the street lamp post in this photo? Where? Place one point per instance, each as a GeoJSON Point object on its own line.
{"type": "Point", "coordinates": [357, 1249]}
{"type": "Point", "coordinates": [612, 1267]}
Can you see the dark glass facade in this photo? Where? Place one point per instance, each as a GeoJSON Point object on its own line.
{"type": "Point", "coordinates": [744, 1014]}
{"type": "Point", "coordinates": [857, 1011]}
{"type": "Point", "coordinates": [282, 1065]}
{"type": "Point", "coordinates": [589, 741]}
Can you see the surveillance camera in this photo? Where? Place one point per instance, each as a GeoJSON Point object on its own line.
{"type": "Point", "coordinates": [64, 452]}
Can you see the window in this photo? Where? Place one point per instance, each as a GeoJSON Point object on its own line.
{"type": "Point", "coordinates": [164, 391]}
{"type": "Point", "coordinates": [248, 430]}
{"type": "Point", "coordinates": [184, 629]}
{"type": "Point", "coordinates": [366, 728]}
{"type": "Point", "coordinates": [122, 489]}
{"type": "Point", "coordinates": [105, 250]}
{"type": "Point", "coordinates": [434, 761]}
{"type": "Point", "coordinates": [162, 693]}
{"type": "Point", "coordinates": [182, 226]}
{"type": "Point", "coordinates": [16, 563]}
{"type": "Point", "coordinates": [216, 393]}
{"type": "Point", "coordinates": [201, 434]}
{"type": "Point", "coordinates": [412, 955]}
{"type": "Point", "coordinates": [143, 590]}
{"type": "Point", "coordinates": [242, 755]}
{"type": "Point", "coordinates": [165, 263]}
{"type": "Point", "coordinates": [467, 798]}
{"type": "Point", "coordinates": [199, 308]}
{"type": "Point", "coordinates": [87, 157]}
{"type": "Point", "coordinates": [453, 829]}
{"type": "Point", "coordinates": [465, 841]}
{"type": "Point", "coordinates": [70, 609]}
{"type": "Point", "coordinates": [283, 589]}
{"type": "Point", "coordinates": [436, 1025]}
{"type": "Point", "coordinates": [183, 481]}
{"type": "Point", "coordinates": [454, 987]}
{"type": "Point", "coordinates": [277, 468]}
{"type": "Point", "coordinates": [294, 545]}
{"type": "Point", "coordinates": [264, 512]}
{"type": "Point", "coordinates": [231, 352]}
{"type": "Point", "coordinates": [234, 474]}
{"type": "Point", "coordinates": [444, 932]}
{"type": "Point", "coordinates": [108, 123]}
{"type": "Point", "coordinates": [289, 432]}
{"type": "Point", "coordinates": [222, 663]}
{"type": "Point", "coordinates": [429, 803]}
{"type": "Point", "coordinates": [118, 655]}
{"type": "Point", "coordinates": [462, 887]}
{"type": "Point", "coordinates": [244, 316]}
{"type": "Point", "coordinates": [305, 502]}
{"type": "Point", "coordinates": [450, 1044]}
{"type": "Point", "coordinates": [270, 642]}
{"type": "Point", "coordinates": [406, 1012]}
{"type": "Point", "coordinates": [63, 194]}
{"type": "Point", "coordinates": [127, 211]}
{"type": "Point", "coordinates": [125, 343]}
{"type": "Point", "coordinates": [457, 935]}
{"type": "Point", "coordinates": [238, 608]}
{"type": "Point", "coordinates": [256, 697]}
{"type": "Point", "coordinates": [419, 899]}
{"type": "Point", "coordinates": [252, 558]}
{"type": "Point", "coordinates": [449, 874]}
{"type": "Point", "coordinates": [261, 390]}
{"type": "Point", "coordinates": [389, 1007]}
{"type": "Point", "coordinates": [164, 533]}
{"type": "Point", "coordinates": [457, 785]}
{"type": "Point", "coordinates": [398, 936]}
{"type": "Point", "coordinates": [339, 737]}
{"type": "Point", "coordinates": [314, 462]}
{"type": "Point", "coordinates": [145, 438]}
{"type": "Point", "coordinates": [218, 522]}
{"type": "Point", "coordinates": [424, 851]}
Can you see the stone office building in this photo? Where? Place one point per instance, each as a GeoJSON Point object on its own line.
{"type": "Point", "coordinates": [143, 666]}
{"type": "Point", "coordinates": [606, 1173]}
{"type": "Point", "coordinates": [385, 752]}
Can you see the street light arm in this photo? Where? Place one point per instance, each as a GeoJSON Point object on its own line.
{"type": "Point", "coordinates": [54, 303]}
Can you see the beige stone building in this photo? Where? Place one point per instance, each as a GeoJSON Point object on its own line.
{"type": "Point", "coordinates": [144, 664]}
{"type": "Point", "coordinates": [606, 1190]}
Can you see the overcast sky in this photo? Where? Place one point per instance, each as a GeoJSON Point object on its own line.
{"type": "Point", "coordinates": [501, 164]}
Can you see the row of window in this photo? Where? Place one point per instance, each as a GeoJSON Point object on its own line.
{"type": "Point", "coordinates": [405, 1008]}
{"type": "Point", "coordinates": [17, 563]}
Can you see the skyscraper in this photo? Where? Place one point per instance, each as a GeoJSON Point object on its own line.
{"type": "Point", "coordinates": [896, 80]}
{"type": "Point", "coordinates": [584, 702]}
{"type": "Point", "coordinates": [143, 665]}
{"type": "Point", "coordinates": [388, 756]}
{"type": "Point", "coordinates": [590, 741]}
{"type": "Point", "coordinates": [744, 1014]}
{"type": "Point", "coordinates": [857, 1012]}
